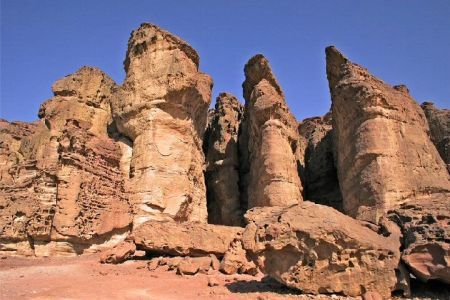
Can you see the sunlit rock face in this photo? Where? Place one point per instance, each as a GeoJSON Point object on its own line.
{"type": "Point", "coordinates": [270, 137]}
{"type": "Point", "coordinates": [62, 189]}
{"type": "Point", "coordinates": [162, 108]}
{"type": "Point", "coordinates": [384, 154]}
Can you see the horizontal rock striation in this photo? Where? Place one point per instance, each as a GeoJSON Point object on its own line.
{"type": "Point", "coordinates": [66, 192]}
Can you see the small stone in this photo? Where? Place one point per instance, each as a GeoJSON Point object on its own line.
{"type": "Point", "coordinates": [212, 281]}
{"type": "Point", "coordinates": [371, 296]}
{"type": "Point", "coordinates": [153, 264]}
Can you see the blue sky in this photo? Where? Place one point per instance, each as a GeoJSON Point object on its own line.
{"type": "Point", "coordinates": [400, 41]}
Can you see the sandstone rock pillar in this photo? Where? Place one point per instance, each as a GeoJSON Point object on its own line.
{"type": "Point", "coordinates": [273, 178]}
{"type": "Point", "coordinates": [162, 107]}
{"type": "Point", "coordinates": [222, 173]}
{"type": "Point", "coordinates": [384, 154]}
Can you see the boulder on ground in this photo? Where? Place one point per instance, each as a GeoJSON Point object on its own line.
{"type": "Point", "coordinates": [118, 254]}
{"type": "Point", "coordinates": [184, 239]}
{"type": "Point", "coordinates": [316, 249]}
{"type": "Point", "coordinates": [426, 230]}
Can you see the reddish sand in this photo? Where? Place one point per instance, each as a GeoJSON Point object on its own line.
{"type": "Point", "coordinates": [85, 278]}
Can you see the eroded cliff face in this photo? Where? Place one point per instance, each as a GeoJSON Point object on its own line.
{"type": "Point", "coordinates": [162, 108]}
{"type": "Point", "coordinates": [62, 188]}
{"type": "Point", "coordinates": [319, 174]}
{"type": "Point", "coordinates": [384, 154]}
{"type": "Point", "coordinates": [222, 157]}
{"type": "Point", "coordinates": [439, 123]}
{"type": "Point", "coordinates": [270, 137]}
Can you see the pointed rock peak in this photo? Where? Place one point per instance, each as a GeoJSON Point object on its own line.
{"type": "Point", "coordinates": [334, 55]}
{"type": "Point", "coordinates": [149, 34]}
{"type": "Point", "coordinates": [335, 59]}
{"type": "Point", "coordinates": [257, 69]}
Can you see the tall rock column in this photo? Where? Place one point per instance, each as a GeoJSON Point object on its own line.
{"type": "Point", "coordinates": [162, 107]}
{"type": "Point", "coordinates": [384, 154]}
{"type": "Point", "coordinates": [273, 178]}
{"type": "Point", "coordinates": [222, 173]}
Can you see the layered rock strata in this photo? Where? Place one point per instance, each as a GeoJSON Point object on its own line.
{"type": "Point", "coordinates": [380, 134]}
{"type": "Point", "coordinates": [66, 191]}
{"type": "Point", "coordinates": [439, 123]}
{"type": "Point", "coordinates": [162, 108]}
{"type": "Point", "coordinates": [222, 172]}
{"type": "Point", "coordinates": [316, 249]}
{"type": "Point", "coordinates": [319, 179]}
{"type": "Point", "coordinates": [271, 138]}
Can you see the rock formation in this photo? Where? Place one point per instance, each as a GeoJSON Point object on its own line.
{"type": "Point", "coordinates": [425, 224]}
{"type": "Point", "coordinates": [120, 169]}
{"type": "Point", "coordinates": [222, 172]}
{"type": "Point", "coordinates": [384, 154]}
{"type": "Point", "coordinates": [162, 107]}
{"type": "Point", "coordinates": [272, 135]}
{"type": "Point", "coordinates": [316, 249]}
{"type": "Point", "coordinates": [439, 123]}
{"type": "Point", "coordinates": [64, 192]}
{"type": "Point", "coordinates": [319, 176]}
{"type": "Point", "coordinates": [184, 239]}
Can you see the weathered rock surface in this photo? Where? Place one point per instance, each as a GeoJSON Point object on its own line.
{"type": "Point", "coordinates": [271, 131]}
{"type": "Point", "coordinates": [184, 239]}
{"type": "Point", "coordinates": [439, 123]}
{"type": "Point", "coordinates": [425, 225]}
{"type": "Point", "coordinates": [162, 107]}
{"type": "Point", "coordinates": [119, 253]}
{"type": "Point", "coordinates": [384, 154]}
{"type": "Point", "coordinates": [319, 178]}
{"type": "Point", "coordinates": [65, 190]}
{"type": "Point", "coordinates": [316, 249]}
{"type": "Point", "coordinates": [235, 261]}
{"type": "Point", "coordinates": [222, 172]}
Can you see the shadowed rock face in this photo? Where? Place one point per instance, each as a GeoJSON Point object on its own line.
{"type": "Point", "coordinates": [162, 107]}
{"type": "Point", "coordinates": [222, 173]}
{"type": "Point", "coordinates": [439, 123]}
{"type": "Point", "coordinates": [270, 140]}
{"type": "Point", "coordinates": [316, 249]}
{"type": "Point", "coordinates": [65, 189]}
{"type": "Point", "coordinates": [380, 135]}
{"type": "Point", "coordinates": [320, 180]}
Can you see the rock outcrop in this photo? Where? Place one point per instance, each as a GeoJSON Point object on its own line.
{"type": "Point", "coordinates": [272, 137]}
{"type": "Point", "coordinates": [425, 225]}
{"type": "Point", "coordinates": [222, 171]}
{"type": "Point", "coordinates": [439, 123]}
{"type": "Point", "coordinates": [319, 176]}
{"type": "Point", "coordinates": [316, 249]}
{"type": "Point", "coordinates": [184, 239]}
{"type": "Point", "coordinates": [384, 155]}
{"type": "Point", "coordinates": [66, 193]}
{"type": "Point", "coordinates": [162, 108]}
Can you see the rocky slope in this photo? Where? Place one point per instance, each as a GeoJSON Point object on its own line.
{"type": "Point", "coordinates": [142, 167]}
